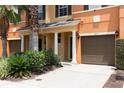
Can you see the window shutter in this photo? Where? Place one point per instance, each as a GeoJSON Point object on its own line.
{"type": "Point", "coordinates": [69, 10]}
{"type": "Point", "coordinates": [56, 10]}
{"type": "Point", "coordinates": [44, 11]}
{"type": "Point", "coordinates": [85, 7]}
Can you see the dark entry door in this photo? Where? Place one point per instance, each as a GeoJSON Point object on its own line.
{"type": "Point", "coordinates": [40, 44]}
{"type": "Point", "coordinates": [70, 48]}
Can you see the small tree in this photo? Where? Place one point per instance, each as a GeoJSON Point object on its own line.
{"type": "Point", "coordinates": [8, 13]}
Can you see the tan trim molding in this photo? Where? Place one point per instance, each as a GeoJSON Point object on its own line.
{"type": "Point", "coordinates": [98, 33]}
{"type": "Point", "coordinates": [14, 38]}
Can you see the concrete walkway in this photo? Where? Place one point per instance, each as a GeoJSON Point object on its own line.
{"type": "Point", "coordinates": [69, 76]}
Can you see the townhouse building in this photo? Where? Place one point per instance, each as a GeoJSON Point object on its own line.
{"type": "Point", "coordinates": [76, 33]}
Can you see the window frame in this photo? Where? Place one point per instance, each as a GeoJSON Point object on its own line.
{"type": "Point", "coordinates": [90, 7]}
{"type": "Point", "coordinates": [62, 7]}
{"type": "Point", "coordinates": [42, 15]}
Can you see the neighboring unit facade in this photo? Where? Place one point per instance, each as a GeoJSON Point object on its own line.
{"type": "Point", "coordinates": [78, 33]}
{"type": "Point", "coordinates": [13, 37]}
{"type": "Point", "coordinates": [99, 28]}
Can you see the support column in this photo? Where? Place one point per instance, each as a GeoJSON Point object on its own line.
{"type": "Point", "coordinates": [74, 47]}
{"type": "Point", "coordinates": [22, 43]}
{"type": "Point", "coordinates": [56, 43]}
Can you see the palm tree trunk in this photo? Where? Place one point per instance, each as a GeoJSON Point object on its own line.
{"type": "Point", "coordinates": [4, 46]}
{"type": "Point", "coordinates": [33, 41]}
{"type": "Point", "coordinates": [5, 29]}
{"type": "Point", "coordinates": [33, 37]}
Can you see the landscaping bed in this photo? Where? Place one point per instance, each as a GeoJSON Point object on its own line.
{"type": "Point", "coordinates": [116, 80]}
{"type": "Point", "coordinates": [26, 64]}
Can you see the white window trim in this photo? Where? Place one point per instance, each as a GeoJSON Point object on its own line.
{"type": "Point", "coordinates": [61, 8]}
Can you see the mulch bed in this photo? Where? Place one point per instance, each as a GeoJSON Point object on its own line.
{"type": "Point", "coordinates": [116, 80]}
{"type": "Point", "coordinates": [33, 76]}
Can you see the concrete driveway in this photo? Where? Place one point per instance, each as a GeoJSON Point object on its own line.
{"type": "Point", "coordinates": [69, 76]}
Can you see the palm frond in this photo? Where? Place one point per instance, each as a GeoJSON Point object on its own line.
{"type": "Point", "coordinates": [11, 11]}
{"type": "Point", "coordinates": [2, 11]}
{"type": "Point", "coordinates": [13, 17]}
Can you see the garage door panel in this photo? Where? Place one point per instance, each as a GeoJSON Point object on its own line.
{"type": "Point", "coordinates": [98, 50]}
{"type": "Point", "coordinates": [94, 59]}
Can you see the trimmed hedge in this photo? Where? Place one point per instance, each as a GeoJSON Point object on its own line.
{"type": "Point", "coordinates": [120, 54]}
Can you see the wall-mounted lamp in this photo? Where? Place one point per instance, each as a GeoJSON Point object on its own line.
{"type": "Point", "coordinates": [77, 35]}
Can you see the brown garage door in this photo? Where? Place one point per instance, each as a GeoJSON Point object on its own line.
{"type": "Point", "coordinates": [98, 50]}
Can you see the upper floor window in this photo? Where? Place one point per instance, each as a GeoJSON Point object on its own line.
{"type": "Point", "coordinates": [63, 10]}
{"type": "Point", "coordinates": [90, 7]}
{"type": "Point", "coordinates": [41, 12]}
{"type": "Point", "coordinates": [94, 7]}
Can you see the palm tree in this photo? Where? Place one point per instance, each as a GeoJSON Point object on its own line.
{"type": "Point", "coordinates": [8, 13]}
{"type": "Point", "coordinates": [33, 37]}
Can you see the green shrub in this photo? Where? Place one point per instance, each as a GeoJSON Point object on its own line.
{"type": "Point", "coordinates": [4, 68]}
{"type": "Point", "coordinates": [19, 67]}
{"type": "Point", "coordinates": [36, 60]}
{"type": "Point", "coordinates": [19, 53]}
{"type": "Point", "coordinates": [120, 54]}
{"type": "Point", "coordinates": [51, 58]}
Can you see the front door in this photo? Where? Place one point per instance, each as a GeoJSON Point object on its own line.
{"type": "Point", "coordinates": [40, 44]}
{"type": "Point", "coordinates": [70, 48]}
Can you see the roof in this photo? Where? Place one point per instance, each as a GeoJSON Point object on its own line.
{"type": "Point", "coordinates": [52, 25]}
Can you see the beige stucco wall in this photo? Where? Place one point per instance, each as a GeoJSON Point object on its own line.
{"type": "Point", "coordinates": [50, 41]}
{"type": "Point", "coordinates": [109, 20]}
